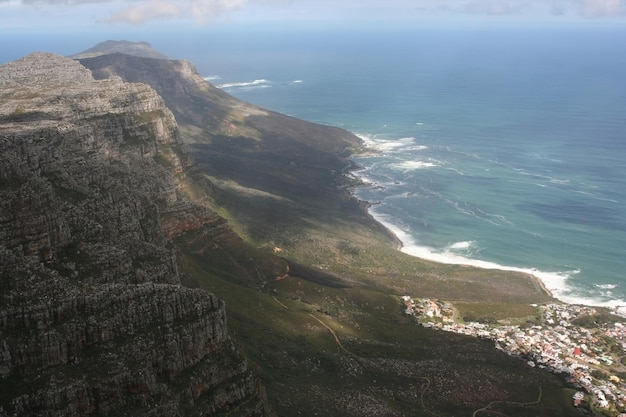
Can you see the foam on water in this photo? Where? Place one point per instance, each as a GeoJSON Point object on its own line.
{"type": "Point", "coordinates": [258, 83]}
{"type": "Point", "coordinates": [554, 281]}
{"type": "Point", "coordinates": [413, 165]}
{"type": "Point", "coordinates": [464, 252]}
{"type": "Point", "coordinates": [462, 245]}
{"type": "Point", "coordinates": [386, 145]}
{"type": "Point", "coordinates": [606, 286]}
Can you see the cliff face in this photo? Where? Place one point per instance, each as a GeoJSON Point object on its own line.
{"type": "Point", "coordinates": [93, 319]}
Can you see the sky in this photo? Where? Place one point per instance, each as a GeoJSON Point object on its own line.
{"type": "Point", "coordinates": [67, 15]}
{"type": "Point", "coordinates": [70, 26]}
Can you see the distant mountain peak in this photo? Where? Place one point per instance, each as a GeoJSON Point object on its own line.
{"type": "Point", "coordinates": [141, 49]}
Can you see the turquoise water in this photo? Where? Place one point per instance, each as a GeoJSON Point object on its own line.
{"type": "Point", "coordinates": [501, 149]}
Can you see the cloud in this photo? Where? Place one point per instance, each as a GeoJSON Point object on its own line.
{"type": "Point", "coordinates": [583, 8]}
{"type": "Point", "coordinates": [604, 8]}
{"type": "Point", "coordinates": [202, 11]}
{"type": "Point", "coordinates": [63, 2]}
{"type": "Point", "coordinates": [137, 12]}
{"type": "Point", "coordinates": [140, 11]}
{"type": "Point", "coordinates": [492, 7]}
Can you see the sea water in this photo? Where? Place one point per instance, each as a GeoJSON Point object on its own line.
{"type": "Point", "coordinates": [498, 148]}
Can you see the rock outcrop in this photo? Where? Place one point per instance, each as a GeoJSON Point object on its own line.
{"type": "Point", "coordinates": [93, 317]}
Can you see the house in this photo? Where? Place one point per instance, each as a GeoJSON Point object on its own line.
{"type": "Point", "coordinates": [578, 397]}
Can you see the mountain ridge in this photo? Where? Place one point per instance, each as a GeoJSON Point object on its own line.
{"type": "Point", "coordinates": [142, 49]}
{"type": "Point", "coordinates": [88, 184]}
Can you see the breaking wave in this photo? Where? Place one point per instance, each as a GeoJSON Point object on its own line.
{"type": "Point", "coordinates": [554, 281]}
{"type": "Point", "coordinates": [262, 83]}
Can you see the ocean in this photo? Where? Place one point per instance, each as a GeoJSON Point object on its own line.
{"type": "Point", "coordinates": [500, 148]}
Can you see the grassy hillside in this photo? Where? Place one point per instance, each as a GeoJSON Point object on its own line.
{"type": "Point", "coordinates": [338, 350]}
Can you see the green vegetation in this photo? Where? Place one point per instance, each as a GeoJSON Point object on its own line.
{"type": "Point", "coordinates": [150, 116]}
{"type": "Point", "coordinates": [17, 113]}
{"type": "Point", "coordinates": [592, 321]}
{"type": "Point", "coordinates": [302, 336]}
{"type": "Point", "coordinates": [495, 312]}
{"type": "Point", "coordinates": [334, 326]}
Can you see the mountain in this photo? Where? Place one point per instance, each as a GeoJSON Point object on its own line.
{"type": "Point", "coordinates": [132, 190]}
{"type": "Point", "coordinates": [94, 320]}
{"type": "Point", "coordinates": [142, 49]}
{"type": "Point", "coordinates": [244, 135]}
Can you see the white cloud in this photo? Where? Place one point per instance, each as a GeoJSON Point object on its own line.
{"type": "Point", "coordinates": [201, 11]}
{"type": "Point", "coordinates": [63, 2]}
{"type": "Point", "coordinates": [604, 8]}
{"type": "Point", "coordinates": [493, 7]}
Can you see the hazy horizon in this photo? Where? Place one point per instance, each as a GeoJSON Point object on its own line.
{"type": "Point", "coordinates": [112, 16]}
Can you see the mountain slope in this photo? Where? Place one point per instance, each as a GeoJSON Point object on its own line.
{"type": "Point", "coordinates": [278, 176]}
{"type": "Point", "coordinates": [328, 337]}
{"type": "Point", "coordinates": [93, 319]}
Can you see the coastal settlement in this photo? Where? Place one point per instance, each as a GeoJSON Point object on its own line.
{"type": "Point", "coordinates": [590, 357]}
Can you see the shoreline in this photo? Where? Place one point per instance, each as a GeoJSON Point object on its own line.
{"type": "Point", "coordinates": [399, 245]}
{"type": "Point", "coordinates": [542, 286]}
{"type": "Point", "coordinates": [365, 206]}
{"type": "Point", "coordinates": [531, 273]}
{"type": "Point", "coordinates": [536, 280]}
{"type": "Point", "coordinates": [549, 283]}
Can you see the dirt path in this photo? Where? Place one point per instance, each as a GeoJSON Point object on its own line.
{"type": "Point", "coordinates": [375, 365]}
{"type": "Point", "coordinates": [335, 336]}
{"type": "Point", "coordinates": [486, 409]}
{"type": "Point", "coordinates": [281, 304]}
{"type": "Point", "coordinates": [426, 380]}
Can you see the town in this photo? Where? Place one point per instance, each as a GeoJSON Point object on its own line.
{"type": "Point", "coordinates": [589, 358]}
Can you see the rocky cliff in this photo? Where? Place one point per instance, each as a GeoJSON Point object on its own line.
{"type": "Point", "coordinates": [93, 319]}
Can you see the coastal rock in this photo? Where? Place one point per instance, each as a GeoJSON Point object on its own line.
{"type": "Point", "coordinates": [93, 317]}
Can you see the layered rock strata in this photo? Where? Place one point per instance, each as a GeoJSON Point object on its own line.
{"type": "Point", "coordinates": [93, 319]}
